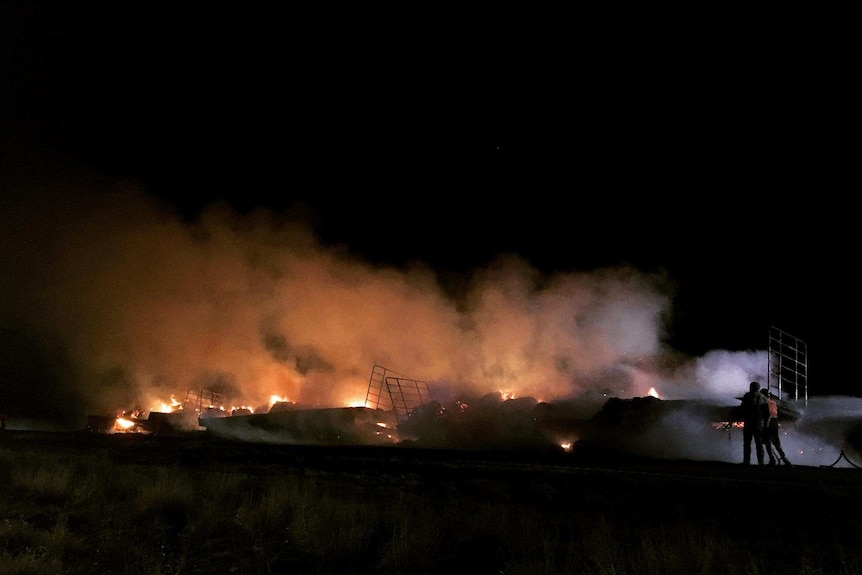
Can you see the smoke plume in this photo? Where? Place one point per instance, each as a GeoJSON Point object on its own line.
{"type": "Point", "coordinates": [109, 299]}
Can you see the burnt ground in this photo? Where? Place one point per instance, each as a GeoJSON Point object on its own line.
{"type": "Point", "coordinates": [585, 464]}
{"type": "Point", "coordinates": [795, 516]}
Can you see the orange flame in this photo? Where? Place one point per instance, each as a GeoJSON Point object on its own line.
{"type": "Point", "coordinates": [124, 424]}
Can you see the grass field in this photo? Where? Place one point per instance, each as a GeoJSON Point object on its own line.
{"type": "Point", "coordinates": [78, 503]}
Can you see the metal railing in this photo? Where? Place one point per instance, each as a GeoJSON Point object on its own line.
{"type": "Point", "coordinates": [787, 365]}
{"type": "Point", "coordinates": [389, 390]}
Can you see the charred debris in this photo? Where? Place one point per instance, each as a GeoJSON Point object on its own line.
{"type": "Point", "coordinates": [401, 410]}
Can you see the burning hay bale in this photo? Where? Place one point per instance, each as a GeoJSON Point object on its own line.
{"type": "Point", "coordinates": [154, 422]}
{"type": "Point", "coordinates": [489, 422]}
{"type": "Point", "coordinates": [324, 426]}
{"type": "Point", "coordinates": [666, 429]}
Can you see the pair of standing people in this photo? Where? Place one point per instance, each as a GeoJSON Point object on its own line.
{"type": "Point", "coordinates": [760, 424]}
{"type": "Point", "coordinates": [772, 439]}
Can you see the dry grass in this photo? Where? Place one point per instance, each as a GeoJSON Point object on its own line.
{"type": "Point", "coordinates": [118, 506]}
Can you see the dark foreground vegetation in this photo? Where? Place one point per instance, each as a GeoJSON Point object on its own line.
{"type": "Point", "coordinates": [79, 503]}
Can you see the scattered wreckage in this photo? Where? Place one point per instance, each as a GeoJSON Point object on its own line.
{"type": "Point", "coordinates": [402, 410]}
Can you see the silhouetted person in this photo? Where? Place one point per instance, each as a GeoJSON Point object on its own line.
{"type": "Point", "coordinates": [772, 440]}
{"type": "Point", "coordinates": [755, 412]}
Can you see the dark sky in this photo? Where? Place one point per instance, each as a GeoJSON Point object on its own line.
{"type": "Point", "coordinates": [720, 148]}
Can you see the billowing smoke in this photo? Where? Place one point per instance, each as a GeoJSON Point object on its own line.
{"type": "Point", "coordinates": [109, 300]}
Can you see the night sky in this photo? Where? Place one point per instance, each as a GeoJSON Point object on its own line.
{"type": "Point", "coordinates": [716, 151]}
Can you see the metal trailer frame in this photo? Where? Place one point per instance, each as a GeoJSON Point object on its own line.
{"type": "Point", "coordinates": [388, 389]}
{"type": "Point", "coordinates": [787, 365]}
{"type": "Point", "coordinates": [201, 399]}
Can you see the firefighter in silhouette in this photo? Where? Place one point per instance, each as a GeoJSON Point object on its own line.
{"type": "Point", "coordinates": [771, 438]}
{"type": "Point", "coordinates": [755, 412]}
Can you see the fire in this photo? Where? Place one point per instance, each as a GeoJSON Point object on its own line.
{"type": "Point", "coordinates": [198, 404]}
{"type": "Point", "coordinates": [727, 425]}
{"type": "Point", "coordinates": [653, 393]}
{"type": "Point", "coordinates": [566, 445]}
{"type": "Point", "coordinates": [241, 409]}
{"type": "Point", "coordinates": [273, 399]}
{"type": "Point", "coordinates": [124, 423]}
{"type": "Point", "coordinates": [167, 407]}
